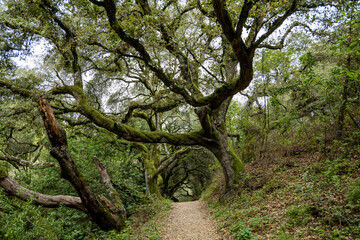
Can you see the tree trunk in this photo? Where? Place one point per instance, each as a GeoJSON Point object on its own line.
{"type": "Point", "coordinates": [150, 160]}
{"type": "Point", "coordinates": [216, 140]}
{"type": "Point", "coordinates": [99, 208]}
{"type": "Point", "coordinates": [345, 94]}
{"type": "Point", "coordinates": [152, 186]}
{"type": "Point", "coordinates": [230, 162]}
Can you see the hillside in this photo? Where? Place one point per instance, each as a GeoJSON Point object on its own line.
{"type": "Point", "coordinates": [304, 196]}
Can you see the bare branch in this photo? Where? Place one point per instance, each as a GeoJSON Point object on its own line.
{"type": "Point", "coordinates": [100, 213]}
{"type": "Point", "coordinates": [18, 162]}
{"type": "Point", "coordinates": [18, 191]}
{"type": "Point", "coordinates": [117, 207]}
{"type": "Point", "coordinates": [37, 154]}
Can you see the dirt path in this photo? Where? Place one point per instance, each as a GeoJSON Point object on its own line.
{"type": "Point", "coordinates": [190, 221]}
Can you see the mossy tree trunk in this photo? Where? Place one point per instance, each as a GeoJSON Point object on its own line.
{"type": "Point", "coordinates": [230, 162]}
{"type": "Point", "coordinates": [154, 166]}
{"type": "Point", "coordinates": [151, 164]}
{"type": "Point", "coordinates": [152, 185]}
{"type": "Point", "coordinates": [214, 124]}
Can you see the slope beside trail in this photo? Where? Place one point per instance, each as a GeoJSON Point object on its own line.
{"type": "Point", "coordinates": [190, 221]}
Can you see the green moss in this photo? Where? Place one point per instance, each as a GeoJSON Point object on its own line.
{"type": "Point", "coordinates": [238, 165]}
{"type": "Point", "coordinates": [160, 180]}
{"type": "Point", "coordinates": [150, 168]}
{"type": "Point", "coordinates": [210, 125]}
{"type": "Point", "coordinates": [154, 189]}
{"type": "Point", "coordinates": [3, 172]}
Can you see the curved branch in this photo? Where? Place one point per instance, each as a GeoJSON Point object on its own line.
{"type": "Point", "coordinates": [165, 163]}
{"type": "Point", "coordinates": [277, 23]}
{"type": "Point", "coordinates": [110, 8]}
{"type": "Point", "coordinates": [127, 132]}
{"type": "Point", "coordinates": [280, 45]}
{"type": "Point", "coordinates": [156, 106]}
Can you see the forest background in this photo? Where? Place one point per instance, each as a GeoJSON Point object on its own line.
{"type": "Point", "coordinates": [139, 102]}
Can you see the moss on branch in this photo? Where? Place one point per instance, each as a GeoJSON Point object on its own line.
{"type": "Point", "coordinates": [3, 172]}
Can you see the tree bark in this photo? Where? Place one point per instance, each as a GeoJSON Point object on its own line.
{"type": "Point", "coordinates": [345, 92]}
{"type": "Point", "coordinates": [215, 138]}
{"type": "Point", "coordinates": [230, 162]}
{"type": "Point", "coordinates": [152, 185]}
{"type": "Point", "coordinates": [14, 188]}
{"type": "Point", "coordinates": [118, 206]}
{"type": "Point", "coordinates": [97, 208]}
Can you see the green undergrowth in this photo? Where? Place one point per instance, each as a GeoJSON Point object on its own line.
{"type": "Point", "coordinates": [145, 222]}
{"type": "Point", "coordinates": [35, 222]}
{"type": "Point", "coordinates": [308, 196]}
{"type": "Point", "coordinates": [21, 220]}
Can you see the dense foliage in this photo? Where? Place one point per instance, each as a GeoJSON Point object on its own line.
{"type": "Point", "coordinates": [131, 102]}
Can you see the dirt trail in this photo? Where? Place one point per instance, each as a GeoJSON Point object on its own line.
{"type": "Point", "coordinates": [190, 221]}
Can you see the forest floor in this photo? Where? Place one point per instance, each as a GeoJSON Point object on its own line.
{"type": "Point", "coordinates": [301, 196]}
{"type": "Point", "coordinates": [190, 221]}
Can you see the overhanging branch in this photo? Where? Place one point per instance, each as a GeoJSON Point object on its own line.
{"type": "Point", "coordinates": [281, 45]}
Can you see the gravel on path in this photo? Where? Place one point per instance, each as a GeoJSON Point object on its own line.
{"type": "Point", "coordinates": [190, 221]}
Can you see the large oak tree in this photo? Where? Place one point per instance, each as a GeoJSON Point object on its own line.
{"type": "Point", "coordinates": [108, 62]}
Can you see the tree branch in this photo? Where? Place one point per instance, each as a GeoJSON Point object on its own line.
{"type": "Point", "coordinates": [155, 106]}
{"type": "Point", "coordinates": [277, 23]}
{"type": "Point", "coordinates": [18, 90]}
{"type": "Point", "coordinates": [175, 156]}
{"type": "Point", "coordinates": [224, 19]}
{"type": "Point", "coordinates": [243, 17]}
{"type": "Point", "coordinates": [118, 206]}
{"type": "Point", "coordinates": [17, 162]}
{"type": "Point", "coordinates": [280, 45]}
{"type": "Point", "coordinates": [202, 10]}
{"type": "Point", "coordinates": [100, 213]}
{"type": "Point", "coordinates": [13, 188]}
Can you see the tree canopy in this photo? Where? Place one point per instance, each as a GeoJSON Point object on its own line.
{"type": "Point", "coordinates": [150, 73]}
